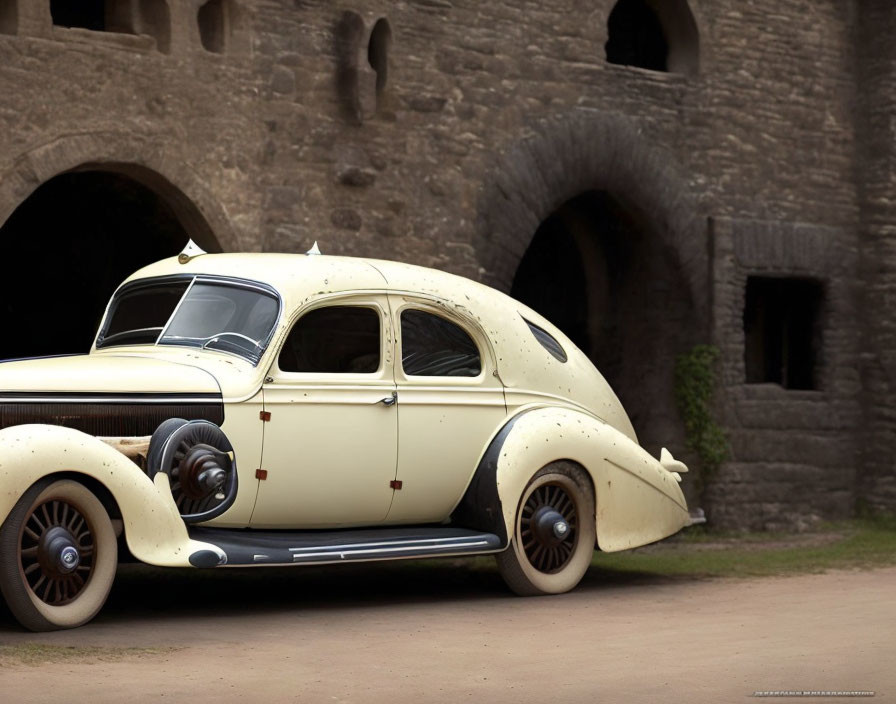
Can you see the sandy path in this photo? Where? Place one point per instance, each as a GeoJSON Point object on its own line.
{"type": "Point", "coordinates": [447, 634]}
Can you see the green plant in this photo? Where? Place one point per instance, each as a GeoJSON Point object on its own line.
{"type": "Point", "coordinates": [695, 383]}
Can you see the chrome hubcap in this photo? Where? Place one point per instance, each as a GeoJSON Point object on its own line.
{"type": "Point", "coordinates": [561, 528]}
{"type": "Point", "coordinates": [69, 559]}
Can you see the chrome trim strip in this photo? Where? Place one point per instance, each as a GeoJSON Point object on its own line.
{"type": "Point", "coordinates": [386, 551]}
{"type": "Point", "coordinates": [374, 558]}
{"type": "Point", "coordinates": [397, 541]}
{"type": "Point", "coordinates": [121, 400]}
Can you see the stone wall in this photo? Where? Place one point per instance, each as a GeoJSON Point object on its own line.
{"type": "Point", "coordinates": [474, 121]}
{"type": "Point", "coordinates": [876, 171]}
{"type": "Point", "coordinates": [794, 451]}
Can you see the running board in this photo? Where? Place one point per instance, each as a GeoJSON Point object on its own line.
{"type": "Point", "coordinates": [252, 547]}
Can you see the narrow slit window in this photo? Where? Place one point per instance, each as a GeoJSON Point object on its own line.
{"type": "Point", "coordinates": [214, 25]}
{"type": "Point", "coordinates": [378, 53]}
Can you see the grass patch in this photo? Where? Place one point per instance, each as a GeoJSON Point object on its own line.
{"type": "Point", "coordinates": [39, 654]}
{"type": "Point", "coordinates": [857, 544]}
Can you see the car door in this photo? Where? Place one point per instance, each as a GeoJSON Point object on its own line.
{"type": "Point", "coordinates": [330, 444]}
{"type": "Point", "coordinates": [450, 403]}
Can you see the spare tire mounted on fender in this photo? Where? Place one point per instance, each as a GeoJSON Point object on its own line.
{"type": "Point", "coordinates": [198, 459]}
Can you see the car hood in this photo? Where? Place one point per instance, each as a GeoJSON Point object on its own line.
{"type": "Point", "coordinates": [106, 396]}
{"type": "Point", "coordinates": [95, 375]}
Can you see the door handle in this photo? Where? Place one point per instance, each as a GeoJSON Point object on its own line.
{"type": "Point", "coordinates": [389, 400]}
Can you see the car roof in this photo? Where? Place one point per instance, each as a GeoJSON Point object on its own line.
{"type": "Point", "coordinates": [300, 277]}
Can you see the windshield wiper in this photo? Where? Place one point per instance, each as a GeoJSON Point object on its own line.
{"type": "Point", "coordinates": [214, 338]}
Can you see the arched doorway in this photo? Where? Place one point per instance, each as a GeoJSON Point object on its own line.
{"type": "Point", "coordinates": [597, 269]}
{"type": "Point", "coordinates": [73, 240]}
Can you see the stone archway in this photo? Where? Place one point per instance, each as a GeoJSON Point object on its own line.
{"type": "Point", "coordinates": [595, 228]}
{"type": "Point", "coordinates": [69, 244]}
{"type": "Point", "coordinates": [588, 151]}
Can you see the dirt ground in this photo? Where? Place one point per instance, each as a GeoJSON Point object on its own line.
{"type": "Point", "coordinates": [445, 633]}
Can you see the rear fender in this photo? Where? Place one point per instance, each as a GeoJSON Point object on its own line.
{"type": "Point", "coordinates": [637, 500]}
{"type": "Point", "coordinates": [153, 528]}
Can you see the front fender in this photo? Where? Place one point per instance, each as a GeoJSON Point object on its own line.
{"type": "Point", "coordinates": [153, 528]}
{"type": "Point", "coordinates": [637, 501]}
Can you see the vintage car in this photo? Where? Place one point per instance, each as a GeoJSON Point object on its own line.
{"type": "Point", "coordinates": [288, 409]}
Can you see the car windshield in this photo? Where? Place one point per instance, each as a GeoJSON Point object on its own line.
{"type": "Point", "coordinates": [231, 316]}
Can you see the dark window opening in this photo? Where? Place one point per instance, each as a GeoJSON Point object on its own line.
{"type": "Point", "coordinates": [548, 341]}
{"type": "Point", "coordinates": [433, 346]}
{"type": "Point", "coordinates": [143, 17]}
{"type": "Point", "coordinates": [214, 25]}
{"type": "Point", "coordinates": [636, 36]}
{"type": "Point", "coordinates": [782, 331]}
{"type": "Point", "coordinates": [86, 14]}
{"type": "Point", "coordinates": [9, 16]}
{"type": "Point", "coordinates": [334, 340]}
{"type": "Point", "coordinates": [378, 53]}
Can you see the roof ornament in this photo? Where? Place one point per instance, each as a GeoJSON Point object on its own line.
{"type": "Point", "coordinates": [191, 251]}
{"type": "Point", "coordinates": [314, 249]}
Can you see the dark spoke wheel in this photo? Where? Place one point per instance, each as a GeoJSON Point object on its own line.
{"type": "Point", "coordinates": [554, 533]}
{"type": "Point", "coordinates": [545, 507]}
{"type": "Point", "coordinates": [58, 554]}
{"type": "Point", "coordinates": [49, 551]}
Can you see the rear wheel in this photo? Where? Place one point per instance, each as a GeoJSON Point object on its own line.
{"type": "Point", "coordinates": [553, 537]}
{"type": "Point", "coordinates": [59, 554]}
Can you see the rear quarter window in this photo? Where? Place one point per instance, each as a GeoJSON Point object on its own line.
{"type": "Point", "coordinates": [433, 346]}
{"type": "Point", "coordinates": [548, 341]}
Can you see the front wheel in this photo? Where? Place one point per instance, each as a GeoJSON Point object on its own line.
{"type": "Point", "coordinates": [58, 555]}
{"type": "Point", "coordinates": [553, 536]}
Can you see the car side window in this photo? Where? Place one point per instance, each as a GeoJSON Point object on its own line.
{"type": "Point", "coordinates": [434, 346]}
{"type": "Point", "coordinates": [333, 340]}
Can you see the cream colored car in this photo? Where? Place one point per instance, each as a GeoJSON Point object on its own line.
{"type": "Point", "coordinates": [267, 409]}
